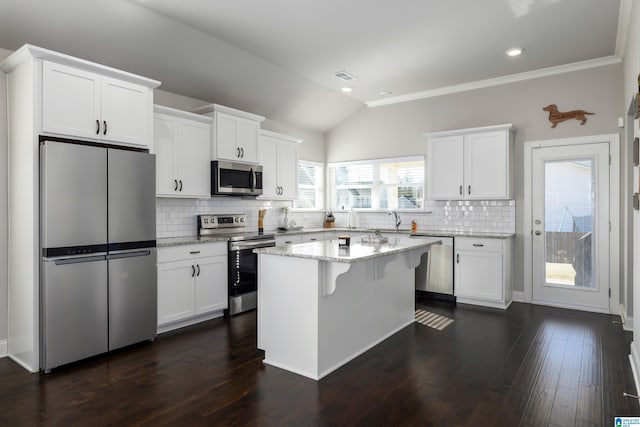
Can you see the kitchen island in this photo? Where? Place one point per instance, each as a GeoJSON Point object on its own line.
{"type": "Point", "coordinates": [321, 305]}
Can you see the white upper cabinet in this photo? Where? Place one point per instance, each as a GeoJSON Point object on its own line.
{"type": "Point", "coordinates": [279, 157]}
{"type": "Point", "coordinates": [182, 145]}
{"type": "Point", "coordinates": [235, 134]}
{"type": "Point", "coordinates": [85, 104]}
{"type": "Point", "coordinates": [470, 163]}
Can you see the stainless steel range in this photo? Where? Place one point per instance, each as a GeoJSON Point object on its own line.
{"type": "Point", "coordinates": [243, 263]}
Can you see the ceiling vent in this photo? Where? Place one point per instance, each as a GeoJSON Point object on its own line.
{"type": "Point", "coordinates": [344, 76]}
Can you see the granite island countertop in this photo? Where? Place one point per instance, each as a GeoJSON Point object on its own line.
{"type": "Point", "coordinates": [330, 251]}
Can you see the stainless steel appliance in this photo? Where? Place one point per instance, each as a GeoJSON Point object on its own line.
{"type": "Point", "coordinates": [98, 287]}
{"type": "Point", "coordinates": [235, 179]}
{"type": "Point", "coordinates": [243, 263]}
{"type": "Point", "coordinates": [434, 275]}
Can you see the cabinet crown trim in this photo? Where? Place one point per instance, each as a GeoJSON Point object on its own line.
{"type": "Point", "coordinates": [28, 51]}
{"type": "Point", "coordinates": [264, 132]}
{"type": "Point", "coordinates": [494, 128]}
{"type": "Point", "coordinates": [211, 108]}
{"type": "Point", "coordinates": [182, 114]}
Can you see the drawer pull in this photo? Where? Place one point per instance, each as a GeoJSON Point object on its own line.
{"type": "Point", "coordinates": [458, 258]}
{"type": "Point", "coordinates": [478, 245]}
{"type": "Point", "coordinates": [194, 252]}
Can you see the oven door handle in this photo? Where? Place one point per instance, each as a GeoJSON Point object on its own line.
{"type": "Point", "coordinates": [238, 246]}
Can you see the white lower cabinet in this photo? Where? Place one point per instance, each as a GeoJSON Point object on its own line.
{"type": "Point", "coordinates": [483, 271]}
{"type": "Point", "coordinates": [288, 240]}
{"type": "Point", "coordinates": [192, 284]}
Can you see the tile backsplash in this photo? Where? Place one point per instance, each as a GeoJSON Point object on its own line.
{"type": "Point", "coordinates": [177, 217]}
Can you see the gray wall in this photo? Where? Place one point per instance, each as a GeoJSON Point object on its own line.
{"type": "Point", "coordinates": [312, 148]}
{"type": "Point", "coordinates": [398, 130]}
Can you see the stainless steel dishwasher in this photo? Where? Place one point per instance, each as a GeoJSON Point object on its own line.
{"type": "Point", "coordinates": [435, 272]}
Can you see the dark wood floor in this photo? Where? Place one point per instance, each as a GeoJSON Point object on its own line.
{"type": "Point", "coordinates": [529, 366]}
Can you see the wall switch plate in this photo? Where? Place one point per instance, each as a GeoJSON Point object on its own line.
{"type": "Point", "coordinates": [620, 122]}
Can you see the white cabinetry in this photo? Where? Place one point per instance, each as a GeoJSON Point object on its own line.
{"type": "Point", "coordinates": [235, 134]}
{"type": "Point", "coordinates": [182, 145]}
{"type": "Point", "coordinates": [279, 157]}
{"type": "Point", "coordinates": [288, 239]}
{"type": "Point", "coordinates": [483, 271]}
{"type": "Point", "coordinates": [54, 105]}
{"type": "Point", "coordinates": [192, 284]}
{"type": "Point", "coordinates": [85, 104]}
{"type": "Point", "coordinates": [470, 163]}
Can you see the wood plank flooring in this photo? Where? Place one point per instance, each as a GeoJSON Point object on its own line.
{"type": "Point", "coordinates": [530, 366]}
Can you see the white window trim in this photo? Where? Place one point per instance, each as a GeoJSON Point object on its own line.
{"type": "Point", "coordinates": [323, 189]}
{"type": "Point", "coordinates": [331, 188]}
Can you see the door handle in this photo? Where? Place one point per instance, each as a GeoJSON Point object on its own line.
{"type": "Point", "coordinates": [175, 181]}
{"type": "Point", "coordinates": [461, 190]}
{"type": "Point", "coordinates": [242, 151]}
{"type": "Point", "coordinates": [238, 155]}
{"type": "Point", "coordinates": [198, 274]}
{"type": "Point", "coordinates": [193, 271]}
{"type": "Point", "coordinates": [105, 127]}
{"type": "Point", "coordinates": [469, 190]}
{"type": "Point", "coordinates": [458, 258]}
{"type": "Point", "coordinates": [180, 185]}
{"type": "Point", "coordinates": [538, 232]}
{"type": "Point", "coordinates": [97, 127]}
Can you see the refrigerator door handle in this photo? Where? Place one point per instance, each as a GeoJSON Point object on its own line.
{"type": "Point", "coordinates": [77, 260]}
{"type": "Point", "coordinates": [125, 254]}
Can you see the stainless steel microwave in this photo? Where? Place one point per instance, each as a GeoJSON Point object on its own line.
{"type": "Point", "coordinates": [235, 179]}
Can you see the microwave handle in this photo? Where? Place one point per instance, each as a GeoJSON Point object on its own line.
{"type": "Point", "coordinates": [253, 180]}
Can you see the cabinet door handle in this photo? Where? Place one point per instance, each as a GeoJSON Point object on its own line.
{"type": "Point", "coordinates": [180, 185]}
{"type": "Point", "coordinates": [193, 270]}
{"type": "Point", "coordinates": [478, 245]}
{"type": "Point", "coordinates": [97, 127]}
{"type": "Point", "coordinates": [194, 252]}
{"type": "Point", "coordinates": [198, 274]}
{"type": "Point", "coordinates": [175, 188]}
{"type": "Point", "coordinates": [469, 190]}
{"type": "Point", "coordinates": [242, 151]}
{"type": "Point", "coordinates": [461, 190]}
{"type": "Point", "coordinates": [104, 132]}
{"type": "Point", "coordinates": [458, 258]}
{"type": "Point", "coordinates": [238, 155]}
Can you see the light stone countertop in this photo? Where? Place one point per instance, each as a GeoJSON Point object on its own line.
{"type": "Point", "coordinates": [193, 239]}
{"type": "Point", "coordinates": [329, 250]}
{"type": "Point", "coordinates": [428, 233]}
{"type": "Point", "coordinates": [188, 240]}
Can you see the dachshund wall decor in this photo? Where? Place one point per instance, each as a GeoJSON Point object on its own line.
{"type": "Point", "coordinates": [556, 117]}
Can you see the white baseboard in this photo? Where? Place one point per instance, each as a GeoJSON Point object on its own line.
{"type": "Point", "coordinates": [627, 321]}
{"type": "Point", "coordinates": [635, 365]}
{"type": "Point", "coordinates": [3, 348]}
{"type": "Point", "coordinates": [518, 296]}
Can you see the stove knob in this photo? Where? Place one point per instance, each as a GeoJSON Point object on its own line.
{"type": "Point", "coordinates": [206, 221]}
{"type": "Point", "coordinates": [237, 219]}
{"type": "Point", "coordinates": [241, 219]}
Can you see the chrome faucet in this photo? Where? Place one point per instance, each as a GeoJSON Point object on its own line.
{"type": "Point", "coordinates": [398, 220]}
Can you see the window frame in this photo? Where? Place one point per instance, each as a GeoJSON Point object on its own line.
{"type": "Point", "coordinates": [375, 200]}
{"type": "Point", "coordinates": [320, 187]}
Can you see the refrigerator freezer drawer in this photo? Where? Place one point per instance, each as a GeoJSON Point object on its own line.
{"type": "Point", "coordinates": [75, 310]}
{"type": "Point", "coordinates": [133, 299]}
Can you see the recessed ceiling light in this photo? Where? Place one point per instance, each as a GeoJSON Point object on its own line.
{"type": "Point", "coordinates": [515, 51]}
{"type": "Point", "coordinates": [385, 93]}
{"type": "Point", "coordinates": [347, 89]}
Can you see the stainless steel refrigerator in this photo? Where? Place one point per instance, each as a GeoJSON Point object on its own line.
{"type": "Point", "coordinates": [98, 288]}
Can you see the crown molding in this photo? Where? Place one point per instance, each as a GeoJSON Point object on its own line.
{"type": "Point", "coordinates": [480, 84]}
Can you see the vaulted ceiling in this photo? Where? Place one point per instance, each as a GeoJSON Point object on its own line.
{"type": "Point", "coordinates": [277, 58]}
